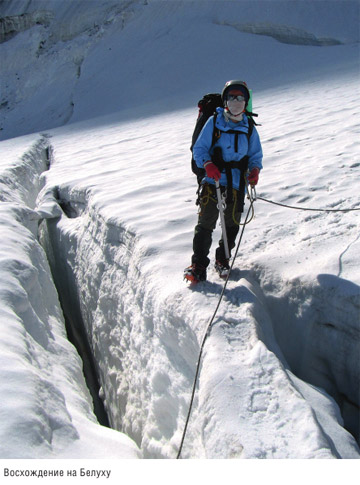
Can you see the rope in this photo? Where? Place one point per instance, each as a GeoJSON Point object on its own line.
{"type": "Point", "coordinates": [205, 198]}
{"type": "Point", "coordinates": [306, 208]}
{"type": "Point", "coordinates": [208, 329]}
{"type": "Point", "coordinates": [252, 199]}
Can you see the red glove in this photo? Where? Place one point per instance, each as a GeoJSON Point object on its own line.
{"type": "Point", "coordinates": [211, 170]}
{"type": "Point", "coordinates": [253, 176]}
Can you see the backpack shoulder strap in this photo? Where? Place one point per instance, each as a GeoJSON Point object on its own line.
{"type": "Point", "coordinates": [216, 131]}
{"type": "Point", "coordinates": [251, 127]}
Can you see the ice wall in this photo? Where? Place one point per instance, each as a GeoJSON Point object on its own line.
{"type": "Point", "coordinates": [47, 411]}
{"type": "Point", "coordinates": [14, 24]}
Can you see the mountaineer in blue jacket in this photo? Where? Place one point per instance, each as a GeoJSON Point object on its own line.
{"type": "Point", "coordinates": [228, 147]}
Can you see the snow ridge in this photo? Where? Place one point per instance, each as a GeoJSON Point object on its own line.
{"type": "Point", "coordinates": [120, 332]}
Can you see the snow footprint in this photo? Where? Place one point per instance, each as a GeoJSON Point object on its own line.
{"type": "Point", "coordinates": [259, 401]}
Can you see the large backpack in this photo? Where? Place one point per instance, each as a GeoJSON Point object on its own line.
{"type": "Point", "coordinates": [207, 107]}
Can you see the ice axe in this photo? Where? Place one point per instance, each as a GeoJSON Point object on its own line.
{"type": "Point", "coordinates": [221, 206]}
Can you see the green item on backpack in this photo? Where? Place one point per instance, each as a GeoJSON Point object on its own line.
{"type": "Point", "coordinates": [249, 105]}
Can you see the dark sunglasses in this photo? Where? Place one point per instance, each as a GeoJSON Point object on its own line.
{"type": "Point", "coordinates": [233, 97]}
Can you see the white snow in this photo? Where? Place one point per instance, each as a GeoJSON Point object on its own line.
{"type": "Point", "coordinates": [108, 202]}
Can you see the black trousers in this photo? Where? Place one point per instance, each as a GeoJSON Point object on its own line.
{"type": "Point", "coordinates": [208, 216]}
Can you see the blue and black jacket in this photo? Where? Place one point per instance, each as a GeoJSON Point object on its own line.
{"type": "Point", "coordinates": [235, 144]}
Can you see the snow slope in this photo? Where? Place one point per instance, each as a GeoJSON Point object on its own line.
{"type": "Point", "coordinates": [120, 213]}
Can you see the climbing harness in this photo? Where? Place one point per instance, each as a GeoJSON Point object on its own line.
{"type": "Point", "coordinates": [227, 167]}
{"type": "Point", "coordinates": [206, 195]}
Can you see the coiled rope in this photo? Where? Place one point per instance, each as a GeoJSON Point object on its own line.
{"type": "Point", "coordinates": [208, 329]}
{"type": "Point", "coordinates": [206, 197]}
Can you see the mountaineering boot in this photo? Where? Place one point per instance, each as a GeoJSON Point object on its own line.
{"type": "Point", "coordinates": [222, 267]}
{"type": "Point", "coordinates": [195, 273]}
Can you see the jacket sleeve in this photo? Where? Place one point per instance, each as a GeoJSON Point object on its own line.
{"type": "Point", "coordinates": [255, 152]}
{"type": "Point", "coordinates": [202, 147]}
